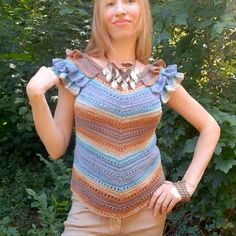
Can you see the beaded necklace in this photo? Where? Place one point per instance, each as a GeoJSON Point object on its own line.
{"type": "Point", "coordinates": [126, 77]}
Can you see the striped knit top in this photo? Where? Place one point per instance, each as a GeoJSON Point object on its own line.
{"type": "Point", "coordinates": [117, 165]}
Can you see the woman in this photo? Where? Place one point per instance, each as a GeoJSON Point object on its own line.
{"type": "Point", "coordinates": [114, 96]}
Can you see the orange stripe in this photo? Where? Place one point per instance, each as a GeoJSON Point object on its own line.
{"type": "Point", "coordinates": [153, 179]}
{"type": "Point", "coordinates": [111, 147]}
{"type": "Point", "coordinates": [99, 136]}
{"type": "Point", "coordinates": [96, 115]}
{"type": "Point", "coordinates": [156, 179]}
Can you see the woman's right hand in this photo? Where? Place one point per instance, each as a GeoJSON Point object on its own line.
{"type": "Point", "coordinates": [42, 81]}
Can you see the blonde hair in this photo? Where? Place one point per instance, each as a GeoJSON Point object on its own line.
{"type": "Point", "coordinates": [100, 43]}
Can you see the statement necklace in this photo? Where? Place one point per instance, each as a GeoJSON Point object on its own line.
{"type": "Point", "coordinates": [126, 77]}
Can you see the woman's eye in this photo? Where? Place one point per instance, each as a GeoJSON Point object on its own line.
{"type": "Point", "coordinates": [110, 3]}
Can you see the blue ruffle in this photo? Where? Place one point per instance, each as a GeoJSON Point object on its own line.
{"type": "Point", "coordinates": [168, 81]}
{"type": "Point", "coordinates": [70, 74]}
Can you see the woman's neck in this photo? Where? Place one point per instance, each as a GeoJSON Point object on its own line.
{"type": "Point", "coordinates": [123, 51]}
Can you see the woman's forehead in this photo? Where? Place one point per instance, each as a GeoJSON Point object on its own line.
{"type": "Point", "coordinates": [105, 1]}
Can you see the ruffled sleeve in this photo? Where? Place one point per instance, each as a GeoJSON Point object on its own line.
{"type": "Point", "coordinates": [167, 81]}
{"type": "Point", "coordinates": [70, 74]}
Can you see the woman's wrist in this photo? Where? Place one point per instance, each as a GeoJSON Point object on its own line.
{"type": "Point", "coordinates": [184, 192]}
{"type": "Point", "coordinates": [190, 186]}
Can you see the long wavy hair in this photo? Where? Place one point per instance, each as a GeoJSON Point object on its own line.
{"type": "Point", "coordinates": [100, 42]}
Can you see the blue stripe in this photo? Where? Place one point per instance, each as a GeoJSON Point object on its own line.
{"type": "Point", "coordinates": [100, 153]}
{"type": "Point", "coordinates": [123, 105]}
{"type": "Point", "coordinates": [119, 187]}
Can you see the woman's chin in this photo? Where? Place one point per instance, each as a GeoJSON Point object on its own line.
{"type": "Point", "coordinates": [123, 37]}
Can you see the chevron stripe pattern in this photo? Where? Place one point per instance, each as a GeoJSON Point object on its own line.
{"type": "Point", "coordinates": [117, 165]}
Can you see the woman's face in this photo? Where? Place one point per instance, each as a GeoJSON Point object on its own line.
{"type": "Point", "coordinates": [122, 18]}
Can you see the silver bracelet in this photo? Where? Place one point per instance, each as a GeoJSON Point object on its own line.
{"type": "Point", "coordinates": [181, 187]}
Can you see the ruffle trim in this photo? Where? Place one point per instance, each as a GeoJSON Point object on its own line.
{"type": "Point", "coordinates": [169, 80]}
{"type": "Point", "coordinates": [70, 74]}
{"type": "Point", "coordinates": [75, 73]}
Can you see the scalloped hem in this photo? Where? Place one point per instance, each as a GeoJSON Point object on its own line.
{"type": "Point", "coordinates": [109, 214]}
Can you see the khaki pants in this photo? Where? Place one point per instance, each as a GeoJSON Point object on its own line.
{"type": "Point", "coordinates": [82, 222]}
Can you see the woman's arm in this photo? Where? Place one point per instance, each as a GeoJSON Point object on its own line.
{"type": "Point", "coordinates": [165, 198]}
{"type": "Point", "coordinates": [54, 132]}
{"type": "Point", "coordinates": [208, 129]}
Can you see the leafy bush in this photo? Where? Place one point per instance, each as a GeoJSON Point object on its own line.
{"type": "Point", "coordinates": [52, 202]}
{"type": "Point", "coordinates": [200, 37]}
{"type": "Point", "coordinates": [5, 229]}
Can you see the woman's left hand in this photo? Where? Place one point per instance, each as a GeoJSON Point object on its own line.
{"type": "Point", "coordinates": [164, 198]}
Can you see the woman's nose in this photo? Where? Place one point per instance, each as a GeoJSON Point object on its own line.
{"type": "Point", "coordinates": [120, 8]}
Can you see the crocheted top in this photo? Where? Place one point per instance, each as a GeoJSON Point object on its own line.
{"type": "Point", "coordinates": [117, 165]}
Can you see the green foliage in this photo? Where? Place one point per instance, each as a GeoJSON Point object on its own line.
{"type": "Point", "coordinates": [197, 35]}
{"type": "Point", "coordinates": [200, 36]}
{"type": "Point", "coordinates": [5, 229]}
{"type": "Point", "coordinates": [52, 201]}
{"type": "Point", "coordinates": [35, 199]}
